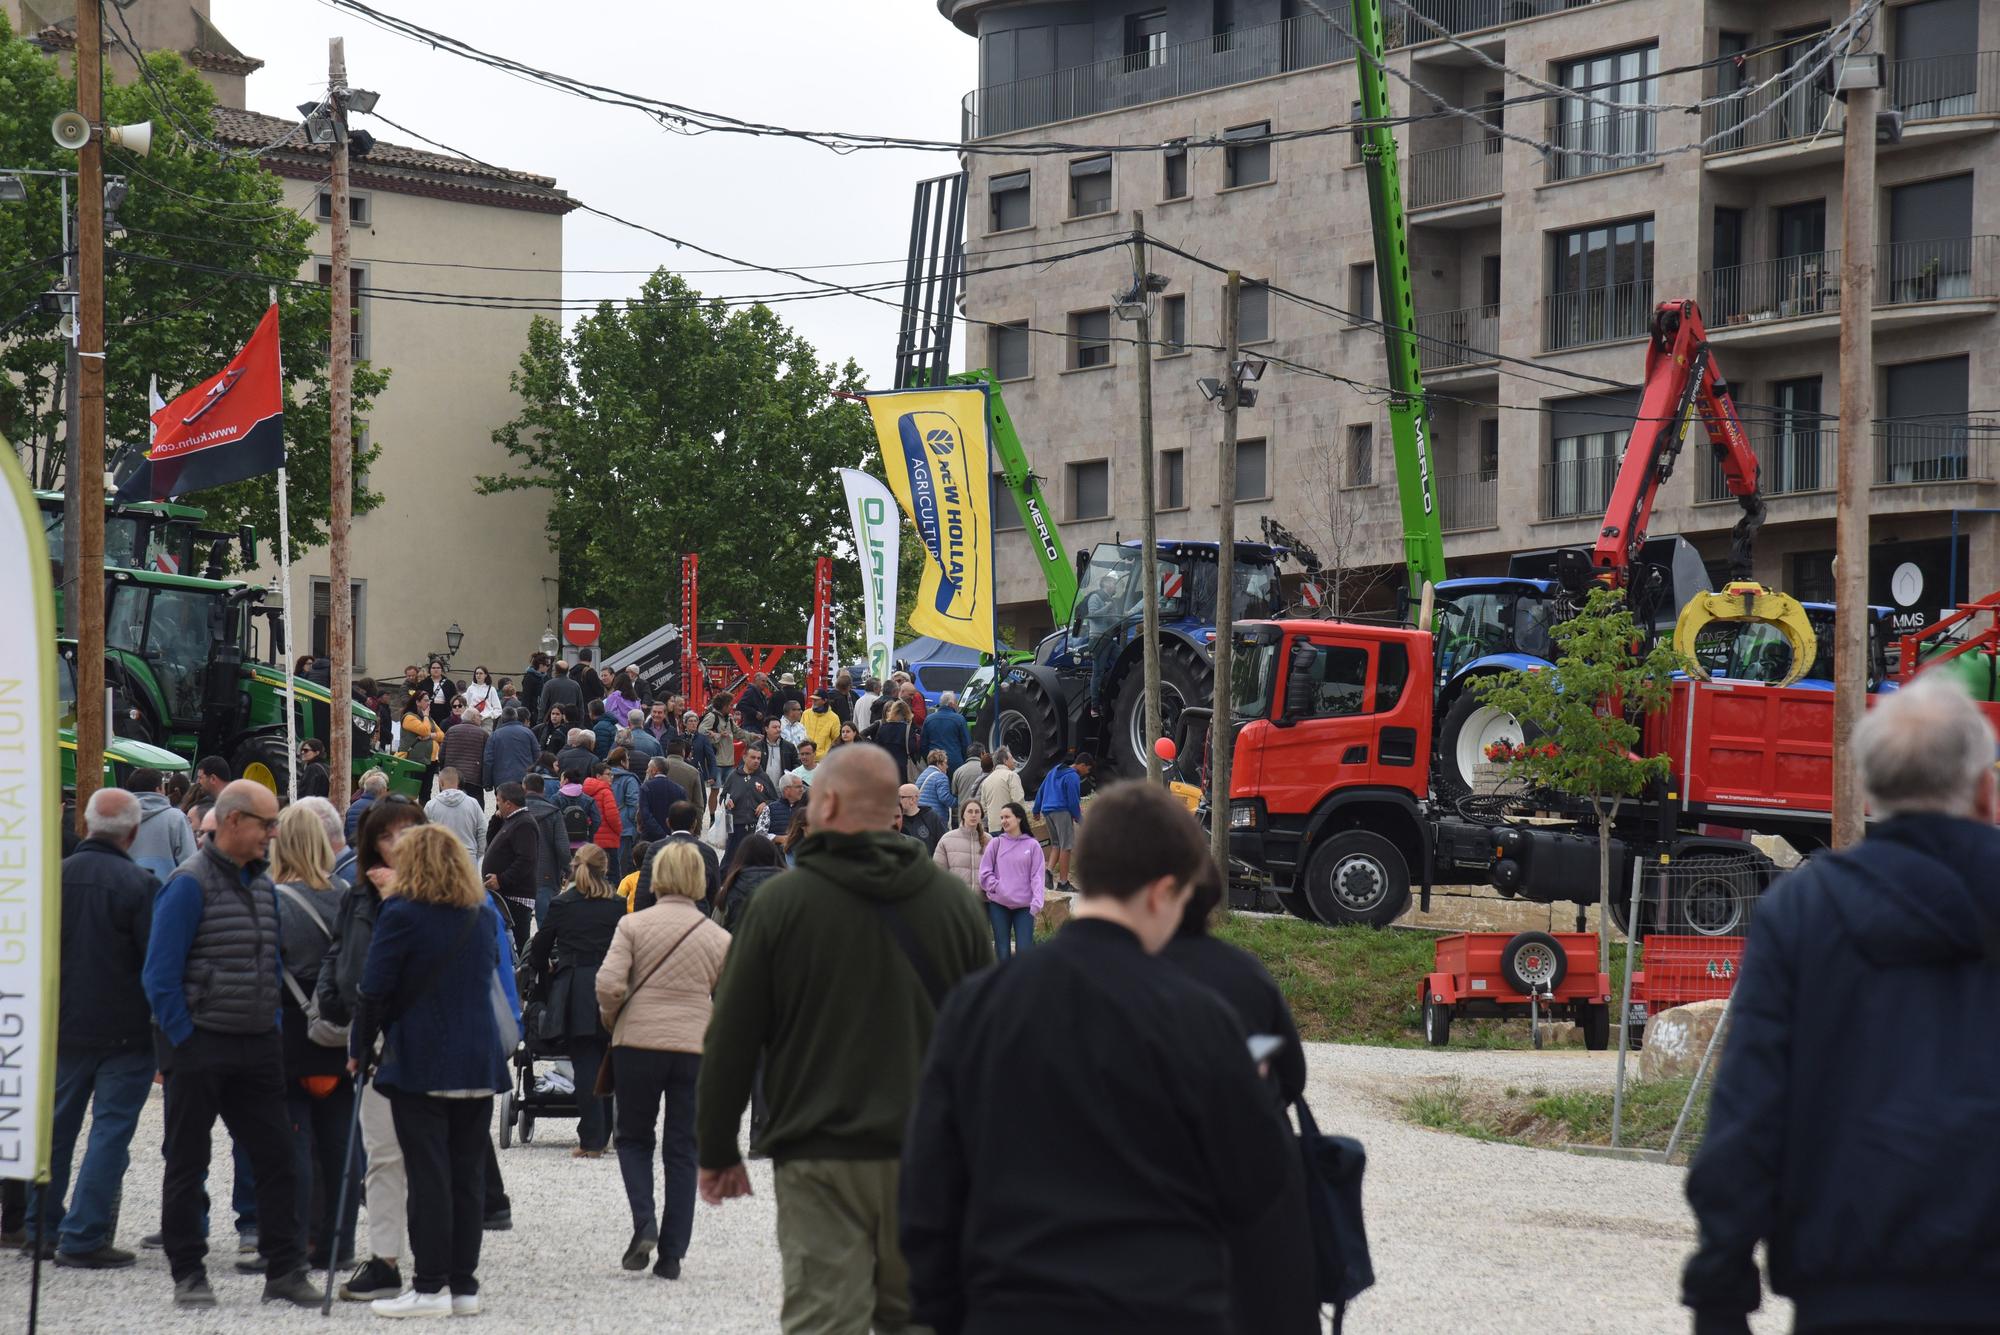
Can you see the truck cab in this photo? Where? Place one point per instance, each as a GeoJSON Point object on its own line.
{"type": "Point", "coordinates": [1332, 763]}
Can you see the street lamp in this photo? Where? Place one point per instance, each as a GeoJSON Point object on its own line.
{"type": "Point", "coordinates": [1136, 305]}
{"type": "Point", "coordinates": [13, 190]}
{"type": "Point", "coordinates": [550, 643]}
{"type": "Point", "coordinates": [452, 639]}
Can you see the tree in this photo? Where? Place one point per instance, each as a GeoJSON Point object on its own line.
{"type": "Point", "coordinates": [676, 424]}
{"type": "Point", "coordinates": [188, 211]}
{"type": "Point", "coordinates": [1579, 720]}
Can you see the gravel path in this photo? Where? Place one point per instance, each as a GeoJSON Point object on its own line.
{"type": "Point", "coordinates": [1466, 1235]}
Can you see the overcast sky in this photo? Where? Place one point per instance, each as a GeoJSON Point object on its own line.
{"type": "Point", "coordinates": [882, 66]}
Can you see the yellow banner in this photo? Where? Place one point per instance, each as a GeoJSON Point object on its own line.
{"type": "Point", "coordinates": [936, 456]}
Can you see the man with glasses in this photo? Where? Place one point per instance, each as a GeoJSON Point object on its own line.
{"type": "Point", "coordinates": [211, 977]}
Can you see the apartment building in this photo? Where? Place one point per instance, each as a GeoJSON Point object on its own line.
{"type": "Point", "coordinates": [1536, 266]}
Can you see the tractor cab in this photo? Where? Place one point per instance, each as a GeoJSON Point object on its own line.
{"type": "Point", "coordinates": [1492, 622]}
{"type": "Point", "coordinates": [178, 643]}
{"type": "Point", "coordinates": [1109, 605]}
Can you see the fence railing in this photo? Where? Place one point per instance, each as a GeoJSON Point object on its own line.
{"type": "Point", "coordinates": [1772, 289]}
{"type": "Point", "coordinates": [1601, 144]}
{"type": "Point", "coordinates": [1596, 314]}
{"type": "Point", "coordinates": [1468, 501]}
{"type": "Point", "coordinates": [1790, 464]}
{"type": "Point", "coordinates": [1204, 63]}
{"type": "Point", "coordinates": [1572, 488]}
{"type": "Point", "coordinates": [1455, 173]}
{"type": "Point", "coordinates": [1457, 338]}
{"type": "Point", "coordinates": [1947, 269]}
{"type": "Point", "coordinates": [1963, 83]}
{"type": "Point", "coordinates": [1940, 451]}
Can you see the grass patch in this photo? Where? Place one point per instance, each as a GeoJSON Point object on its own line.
{"type": "Point", "coordinates": [1552, 1120]}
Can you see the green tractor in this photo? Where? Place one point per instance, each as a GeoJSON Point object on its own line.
{"type": "Point", "coordinates": [122, 755]}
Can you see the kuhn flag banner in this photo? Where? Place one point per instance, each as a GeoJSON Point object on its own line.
{"type": "Point", "coordinates": [935, 452]}
{"type": "Point", "coordinates": [228, 428]}
{"type": "Point", "coordinates": [877, 545]}
{"type": "Point", "coordinates": [30, 837]}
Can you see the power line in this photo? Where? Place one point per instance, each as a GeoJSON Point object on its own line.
{"type": "Point", "coordinates": [165, 102]}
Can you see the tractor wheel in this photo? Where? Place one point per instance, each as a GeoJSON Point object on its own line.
{"type": "Point", "coordinates": [1470, 726]}
{"type": "Point", "coordinates": [261, 757]}
{"type": "Point", "coordinates": [1029, 724]}
{"type": "Point", "coordinates": [1185, 679]}
{"type": "Point", "coordinates": [1533, 962]}
{"type": "Point", "coordinates": [1357, 878]}
{"type": "Point", "coordinates": [1437, 1023]}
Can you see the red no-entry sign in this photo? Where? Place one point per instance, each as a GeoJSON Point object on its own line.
{"type": "Point", "coordinates": [582, 626]}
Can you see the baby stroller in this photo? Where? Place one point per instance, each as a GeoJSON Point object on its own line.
{"type": "Point", "coordinates": [536, 1094]}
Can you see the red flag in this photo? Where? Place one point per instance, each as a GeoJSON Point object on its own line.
{"type": "Point", "coordinates": [228, 428]}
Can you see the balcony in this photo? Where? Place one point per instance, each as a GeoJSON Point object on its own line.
{"type": "Point", "coordinates": [1796, 463]}
{"type": "Point", "coordinates": [1469, 501]}
{"type": "Point", "coordinates": [1799, 295]}
{"type": "Point", "coordinates": [1601, 144]}
{"type": "Point", "coordinates": [1457, 338]}
{"type": "Point", "coordinates": [1205, 63]}
{"type": "Point", "coordinates": [1596, 315]}
{"type": "Point", "coordinates": [1942, 451]}
{"type": "Point", "coordinates": [1780, 289]}
{"type": "Point", "coordinates": [1455, 174]}
{"type": "Point", "coordinates": [1928, 90]}
{"type": "Point", "coordinates": [1578, 488]}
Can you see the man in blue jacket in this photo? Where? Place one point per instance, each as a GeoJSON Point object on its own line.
{"type": "Point", "coordinates": [1059, 801]}
{"type": "Point", "coordinates": [511, 750]}
{"type": "Point", "coordinates": [945, 730]}
{"type": "Point", "coordinates": [1852, 1128]}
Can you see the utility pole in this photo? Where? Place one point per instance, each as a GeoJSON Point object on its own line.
{"type": "Point", "coordinates": [1220, 734]}
{"type": "Point", "coordinates": [1149, 558]}
{"type": "Point", "coordinates": [1857, 411]}
{"type": "Point", "coordinates": [87, 483]}
{"type": "Point", "coordinates": [340, 373]}
{"type": "Point", "coordinates": [72, 552]}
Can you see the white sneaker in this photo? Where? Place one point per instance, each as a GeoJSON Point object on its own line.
{"type": "Point", "coordinates": [465, 1304]}
{"type": "Point", "coordinates": [412, 1303]}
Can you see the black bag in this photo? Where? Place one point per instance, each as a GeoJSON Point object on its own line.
{"type": "Point", "coordinates": [578, 818]}
{"type": "Point", "coordinates": [1333, 1167]}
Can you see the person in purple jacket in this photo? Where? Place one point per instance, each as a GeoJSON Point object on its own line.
{"type": "Point", "coordinates": [1010, 876]}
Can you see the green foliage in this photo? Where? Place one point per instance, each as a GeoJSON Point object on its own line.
{"type": "Point", "coordinates": [184, 203]}
{"type": "Point", "coordinates": [1565, 1117]}
{"type": "Point", "coordinates": [674, 425]}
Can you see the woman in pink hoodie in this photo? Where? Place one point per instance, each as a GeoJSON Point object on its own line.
{"type": "Point", "coordinates": [1010, 875]}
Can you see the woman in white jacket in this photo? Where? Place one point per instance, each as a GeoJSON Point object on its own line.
{"type": "Point", "coordinates": [960, 850]}
{"type": "Point", "coordinates": [482, 698]}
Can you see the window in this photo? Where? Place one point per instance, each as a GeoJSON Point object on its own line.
{"type": "Point", "coordinates": [357, 208]}
{"type": "Point", "coordinates": [1493, 111]}
{"type": "Point", "coordinates": [1008, 349]}
{"type": "Point", "coordinates": [1090, 489]}
{"type": "Point", "coordinates": [1173, 326]}
{"type": "Point", "coordinates": [1009, 202]}
{"type": "Point", "coordinates": [1489, 283]}
{"type": "Point", "coordinates": [1253, 471]}
{"type": "Point", "coordinates": [1391, 677]}
{"type": "Point", "coordinates": [322, 605]}
{"type": "Point", "coordinates": [1173, 480]}
{"type": "Point", "coordinates": [1146, 40]}
{"type": "Point", "coordinates": [1332, 683]}
{"type": "Point", "coordinates": [1246, 163]}
{"type": "Point", "coordinates": [1585, 436]}
{"type": "Point", "coordinates": [1174, 184]}
{"type": "Point", "coordinates": [1360, 464]}
{"type": "Point", "coordinates": [1927, 437]}
{"type": "Point", "coordinates": [1601, 285]}
{"type": "Point", "coordinates": [357, 284]}
{"type": "Point", "coordinates": [1361, 290]}
{"type": "Point", "coordinates": [1929, 256]}
{"type": "Point", "coordinates": [1223, 19]}
{"type": "Point", "coordinates": [1489, 447]}
{"type": "Point", "coordinates": [1591, 138]}
{"type": "Point", "coordinates": [1089, 339]}
{"type": "Point", "coordinates": [1253, 313]}
{"type": "Point", "coordinates": [1006, 510]}
{"type": "Point", "coordinates": [1090, 186]}
{"type": "Point", "coordinates": [1354, 141]}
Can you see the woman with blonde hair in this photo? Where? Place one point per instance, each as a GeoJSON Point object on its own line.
{"type": "Point", "coordinates": [563, 960]}
{"type": "Point", "coordinates": [438, 952]}
{"type": "Point", "coordinates": [318, 1096]}
{"type": "Point", "coordinates": [654, 991]}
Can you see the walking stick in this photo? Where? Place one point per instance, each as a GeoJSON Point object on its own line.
{"type": "Point", "coordinates": [346, 1184]}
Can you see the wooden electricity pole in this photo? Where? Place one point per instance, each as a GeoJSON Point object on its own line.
{"type": "Point", "coordinates": [340, 374]}
{"type": "Point", "coordinates": [87, 483]}
{"type": "Point", "coordinates": [1149, 552]}
{"type": "Point", "coordinates": [1857, 411]}
{"type": "Point", "coordinates": [1220, 734]}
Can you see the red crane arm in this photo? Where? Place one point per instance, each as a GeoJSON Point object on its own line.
{"type": "Point", "coordinates": [1681, 381]}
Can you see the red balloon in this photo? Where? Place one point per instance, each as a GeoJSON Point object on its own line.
{"type": "Point", "coordinates": [1165, 749]}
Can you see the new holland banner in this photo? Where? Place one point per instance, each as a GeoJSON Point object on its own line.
{"type": "Point", "coordinates": [228, 428]}
{"type": "Point", "coordinates": [877, 544]}
{"type": "Point", "coordinates": [934, 450]}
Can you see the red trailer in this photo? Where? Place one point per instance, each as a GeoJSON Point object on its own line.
{"type": "Point", "coordinates": [1492, 974]}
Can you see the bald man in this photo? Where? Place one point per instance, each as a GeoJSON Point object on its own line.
{"type": "Point", "coordinates": [836, 980]}
{"type": "Point", "coordinates": [211, 976]}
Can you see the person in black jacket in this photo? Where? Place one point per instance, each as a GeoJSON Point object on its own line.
{"type": "Point", "coordinates": [313, 778]}
{"type": "Point", "coordinates": [561, 689]}
{"type": "Point", "coordinates": [562, 961]}
{"type": "Point", "coordinates": [104, 1034]}
{"type": "Point", "coordinates": [516, 848]}
{"type": "Point", "coordinates": [1852, 1126]}
{"type": "Point", "coordinates": [681, 818]}
{"type": "Point", "coordinates": [1132, 1220]}
{"type": "Point", "coordinates": [552, 867]}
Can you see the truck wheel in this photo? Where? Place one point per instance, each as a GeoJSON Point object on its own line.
{"type": "Point", "coordinates": [1621, 912]}
{"type": "Point", "coordinates": [1295, 902]}
{"type": "Point", "coordinates": [1470, 726]}
{"type": "Point", "coordinates": [1715, 896]}
{"type": "Point", "coordinates": [261, 758]}
{"type": "Point", "coordinates": [1596, 1026]}
{"type": "Point", "coordinates": [1437, 1023]}
{"type": "Point", "coordinates": [1533, 962]}
{"type": "Point", "coordinates": [1358, 878]}
{"type": "Point", "coordinates": [1185, 679]}
{"type": "Point", "coordinates": [1029, 724]}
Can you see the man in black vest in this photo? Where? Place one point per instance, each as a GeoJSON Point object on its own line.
{"type": "Point", "coordinates": [211, 976]}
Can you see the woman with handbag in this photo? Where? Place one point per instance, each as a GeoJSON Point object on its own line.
{"type": "Point", "coordinates": [421, 735]}
{"type": "Point", "coordinates": [564, 959]}
{"type": "Point", "coordinates": [482, 697]}
{"type": "Point", "coordinates": [318, 1096]}
{"type": "Point", "coordinates": [654, 990]}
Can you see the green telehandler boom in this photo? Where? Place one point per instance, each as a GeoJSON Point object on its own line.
{"type": "Point", "coordinates": [1057, 570]}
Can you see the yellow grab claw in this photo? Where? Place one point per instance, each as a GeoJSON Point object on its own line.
{"type": "Point", "coordinates": [1745, 600]}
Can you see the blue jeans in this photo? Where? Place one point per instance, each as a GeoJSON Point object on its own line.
{"type": "Point", "coordinates": [113, 1085]}
{"type": "Point", "coordinates": [1013, 929]}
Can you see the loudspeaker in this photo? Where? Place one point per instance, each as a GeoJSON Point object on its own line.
{"type": "Point", "coordinates": [71, 131]}
{"type": "Point", "coordinates": [132, 138]}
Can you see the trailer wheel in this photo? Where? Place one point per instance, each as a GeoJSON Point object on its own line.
{"type": "Point", "coordinates": [1357, 877]}
{"type": "Point", "coordinates": [1533, 962]}
{"type": "Point", "coordinates": [1596, 1026]}
{"type": "Point", "coordinates": [506, 1118]}
{"type": "Point", "coordinates": [1437, 1023]}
